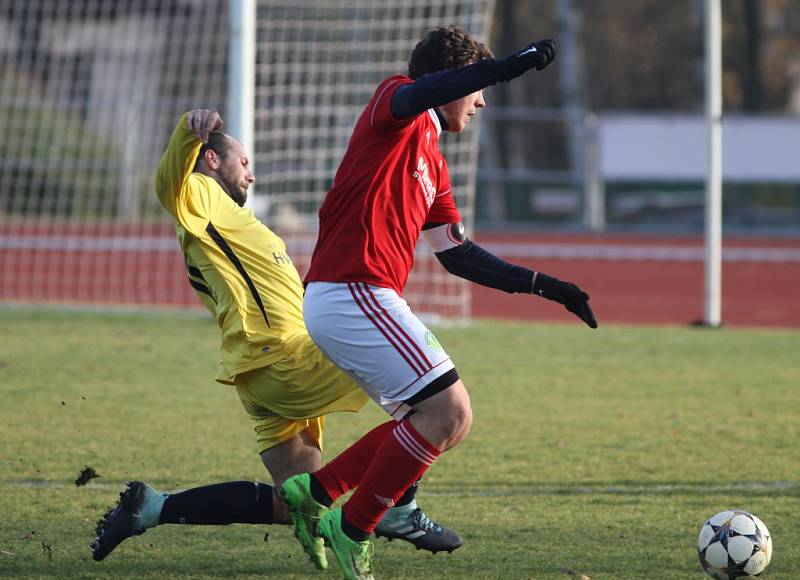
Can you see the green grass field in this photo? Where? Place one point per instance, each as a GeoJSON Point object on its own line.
{"type": "Point", "coordinates": [593, 454]}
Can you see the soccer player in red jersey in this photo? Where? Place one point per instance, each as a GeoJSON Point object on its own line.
{"type": "Point", "coordinates": [391, 186]}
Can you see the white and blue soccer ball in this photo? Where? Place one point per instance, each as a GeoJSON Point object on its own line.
{"type": "Point", "coordinates": [734, 544]}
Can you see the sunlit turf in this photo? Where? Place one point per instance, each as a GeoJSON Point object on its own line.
{"type": "Point", "coordinates": [593, 453]}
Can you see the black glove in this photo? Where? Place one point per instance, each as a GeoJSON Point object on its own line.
{"type": "Point", "coordinates": [573, 298]}
{"type": "Point", "coordinates": [536, 55]}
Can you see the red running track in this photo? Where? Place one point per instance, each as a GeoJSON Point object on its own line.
{"type": "Point", "coordinates": [632, 279]}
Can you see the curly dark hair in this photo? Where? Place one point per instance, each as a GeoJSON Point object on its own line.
{"type": "Point", "coordinates": [445, 48]}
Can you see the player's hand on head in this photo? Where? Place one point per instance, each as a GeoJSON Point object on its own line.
{"type": "Point", "coordinates": [573, 298]}
{"type": "Point", "coordinates": [536, 55]}
{"type": "Point", "coordinates": [203, 121]}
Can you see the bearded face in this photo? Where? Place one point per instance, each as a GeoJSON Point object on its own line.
{"type": "Point", "coordinates": [229, 165]}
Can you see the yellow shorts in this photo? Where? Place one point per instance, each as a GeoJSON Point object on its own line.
{"type": "Point", "coordinates": [296, 393]}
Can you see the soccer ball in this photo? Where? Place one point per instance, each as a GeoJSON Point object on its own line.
{"type": "Point", "coordinates": [733, 544]}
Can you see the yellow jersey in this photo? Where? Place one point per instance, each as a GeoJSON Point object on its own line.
{"type": "Point", "coordinates": [238, 267]}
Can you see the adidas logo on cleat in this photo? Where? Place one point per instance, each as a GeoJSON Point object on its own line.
{"type": "Point", "coordinates": [418, 529]}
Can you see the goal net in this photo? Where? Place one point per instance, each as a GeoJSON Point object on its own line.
{"type": "Point", "coordinates": [91, 90]}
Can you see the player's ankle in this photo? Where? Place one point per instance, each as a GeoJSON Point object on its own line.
{"type": "Point", "coordinates": [401, 510]}
{"type": "Point", "coordinates": [352, 532]}
{"type": "Point", "coordinates": [318, 492]}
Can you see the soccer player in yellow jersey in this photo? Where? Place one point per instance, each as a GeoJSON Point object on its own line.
{"type": "Point", "coordinates": [242, 273]}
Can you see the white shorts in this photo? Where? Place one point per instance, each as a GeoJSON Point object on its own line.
{"type": "Point", "coordinates": [371, 334]}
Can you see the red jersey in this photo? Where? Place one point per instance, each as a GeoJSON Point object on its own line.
{"type": "Point", "coordinates": [392, 180]}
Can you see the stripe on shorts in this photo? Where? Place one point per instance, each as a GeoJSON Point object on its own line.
{"type": "Point", "coordinates": [414, 347]}
{"type": "Point", "coordinates": [352, 287]}
{"type": "Point", "coordinates": [390, 329]}
{"type": "Point", "coordinates": [411, 445]}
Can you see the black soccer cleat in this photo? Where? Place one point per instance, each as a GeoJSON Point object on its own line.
{"type": "Point", "coordinates": [418, 529]}
{"type": "Point", "coordinates": [138, 509]}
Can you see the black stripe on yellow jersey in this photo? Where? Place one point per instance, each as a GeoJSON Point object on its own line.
{"type": "Point", "coordinates": [237, 263]}
{"type": "Point", "coordinates": [196, 279]}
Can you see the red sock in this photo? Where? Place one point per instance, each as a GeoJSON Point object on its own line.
{"type": "Point", "coordinates": [400, 461]}
{"type": "Point", "coordinates": [345, 471]}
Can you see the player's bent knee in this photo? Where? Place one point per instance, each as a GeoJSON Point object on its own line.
{"type": "Point", "coordinates": [445, 418]}
{"type": "Point", "coordinates": [457, 422]}
{"type": "Point", "coordinates": [461, 424]}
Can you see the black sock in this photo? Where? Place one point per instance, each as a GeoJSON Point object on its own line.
{"type": "Point", "coordinates": [409, 495]}
{"type": "Point", "coordinates": [233, 502]}
{"type": "Point", "coordinates": [318, 492]}
{"type": "Point", "coordinates": [352, 532]}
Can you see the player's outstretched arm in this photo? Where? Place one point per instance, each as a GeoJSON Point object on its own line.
{"type": "Point", "coordinates": [573, 298]}
{"type": "Point", "coordinates": [443, 87]}
{"type": "Point", "coordinates": [536, 55]}
{"type": "Point", "coordinates": [466, 259]}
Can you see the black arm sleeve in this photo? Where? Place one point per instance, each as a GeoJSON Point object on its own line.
{"type": "Point", "coordinates": [443, 87]}
{"type": "Point", "coordinates": [473, 263]}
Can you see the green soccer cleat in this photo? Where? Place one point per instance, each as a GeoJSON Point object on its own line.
{"type": "Point", "coordinates": [355, 558]}
{"type": "Point", "coordinates": [411, 524]}
{"type": "Point", "coordinates": [138, 509]}
{"type": "Point", "coordinates": [306, 513]}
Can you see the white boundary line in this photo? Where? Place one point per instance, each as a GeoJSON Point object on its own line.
{"type": "Point", "coordinates": [620, 252]}
{"type": "Point", "coordinates": [625, 489]}
{"type": "Point", "coordinates": [89, 243]}
{"type": "Point", "coordinates": [650, 253]}
{"type": "Point", "coordinates": [523, 490]}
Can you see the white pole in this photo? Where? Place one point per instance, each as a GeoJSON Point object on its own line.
{"type": "Point", "coordinates": [713, 196]}
{"type": "Point", "coordinates": [571, 72]}
{"type": "Point", "coordinates": [595, 202]}
{"type": "Point", "coordinates": [240, 117]}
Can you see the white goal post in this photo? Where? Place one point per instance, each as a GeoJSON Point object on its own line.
{"type": "Point", "coordinates": [318, 64]}
{"type": "Point", "coordinates": [712, 312]}
{"type": "Point", "coordinates": [91, 90]}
